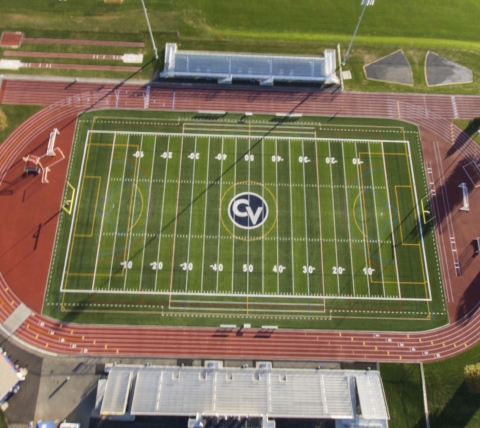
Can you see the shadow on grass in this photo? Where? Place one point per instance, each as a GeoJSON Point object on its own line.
{"type": "Point", "coordinates": [459, 410]}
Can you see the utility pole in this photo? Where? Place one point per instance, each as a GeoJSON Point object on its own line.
{"type": "Point", "coordinates": [364, 3]}
{"type": "Point", "coordinates": [150, 31]}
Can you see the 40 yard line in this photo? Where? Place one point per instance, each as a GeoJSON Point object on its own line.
{"type": "Point", "coordinates": [191, 211]}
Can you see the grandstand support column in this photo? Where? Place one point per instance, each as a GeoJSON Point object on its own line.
{"type": "Point", "coordinates": [150, 31]}
{"type": "Point", "coordinates": [364, 3]}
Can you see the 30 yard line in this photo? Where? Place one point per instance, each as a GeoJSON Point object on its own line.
{"type": "Point", "coordinates": [364, 231]}
{"type": "Point", "coordinates": [118, 215]}
{"type": "Point", "coordinates": [391, 222]}
{"type": "Point", "coordinates": [103, 213]}
{"type": "Point", "coordinates": [291, 214]}
{"type": "Point", "coordinates": [348, 219]}
{"type": "Point", "coordinates": [130, 232]}
{"type": "Point", "coordinates": [191, 211]}
{"type": "Point", "coordinates": [333, 214]}
{"type": "Point", "coordinates": [148, 211]}
{"type": "Point", "coordinates": [376, 219]}
{"type": "Point", "coordinates": [205, 214]}
{"type": "Point", "coordinates": [161, 216]}
{"type": "Point", "coordinates": [305, 213]}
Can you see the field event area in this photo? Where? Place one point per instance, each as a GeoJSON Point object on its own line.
{"type": "Point", "coordinates": [205, 218]}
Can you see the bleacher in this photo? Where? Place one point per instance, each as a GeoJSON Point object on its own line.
{"type": "Point", "coordinates": [264, 68]}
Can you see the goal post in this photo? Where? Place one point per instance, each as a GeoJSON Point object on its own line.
{"type": "Point", "coordinates": [67, 205]}
{"type": "Point", "coordinates": [426, 210]}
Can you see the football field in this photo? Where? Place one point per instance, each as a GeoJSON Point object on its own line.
{"type": "Point", "coordinates": [237, 219]}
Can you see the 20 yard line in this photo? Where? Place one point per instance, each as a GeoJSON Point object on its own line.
{"type": "Point", "coordinates": [348, 218]}
{"type": "Point", "coordinates": [334, 220]}
{"type": "Point", "coordinates": [305, 212]}
{"type": "Point", "coordinates": [148, 211]}
{"type": "Point", "coordinates": [103, 212]}
{"type": "Point", "coordinates": [391, 222]}
{"type": "Point", "coordinates": [161, 216]}
{"type": "Point", "coordinates": [118, 216]}
{"type": "Point", "coordinates": [130, 232]}
{"type": "Point", "coordinates": [205, 214]}
{"type": "Point", "coordinates": [191, 211]}
{"type": "Point", "coordinates": [291, 214]}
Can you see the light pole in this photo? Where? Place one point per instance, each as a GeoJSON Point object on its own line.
{"type": "Point", "coordinates": [364, 3]}
{"type": "Point", "coordinates": [150, 31]}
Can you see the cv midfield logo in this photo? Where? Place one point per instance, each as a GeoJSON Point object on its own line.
{"type": "Point", "coordinates": [248, 210]}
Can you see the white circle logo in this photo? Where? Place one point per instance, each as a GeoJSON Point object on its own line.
{"type": "Point", "coordinates": [248, 210]}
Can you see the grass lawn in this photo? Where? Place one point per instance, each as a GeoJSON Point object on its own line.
{"type": "Point", "coordinates": [403, 390]}
{"type": "Point", "coordinates": [3, 420]}
{"type": "Point", "coordinates": [268, 26]}
{"type": "Point", "coordinates": [469, 127]}
{"type": "Point", "coordinates": [15, 116]}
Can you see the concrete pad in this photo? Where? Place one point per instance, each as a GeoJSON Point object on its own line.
{"type": "Point", "coordinates": [442, 71]}
{"type": "Point", "coordinates": [133, 58]}
{"type": "Point", "coordinates": [17, 318]}
{"type": "Point", "coordinates": [346, 75]}
{"type": "Point", "coordinates": [393, 68]}
{"type": "Point", "coordinates": [10, 64]}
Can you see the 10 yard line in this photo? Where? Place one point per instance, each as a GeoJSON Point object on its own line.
{"type": "Point", "coordinates": [148, 211]}
{"type": "Point", "coordinates": [376, 219]}
{"type": "Point", "coordinates": [103, 213]}
{"type": "Point", "coordinates": [305, 212]}
{"type": "Point", "coordinates": [136, 173]}
{"type": "Point", "coordinates": [364, 231]}
{"type": "Point", "coordinates": [191, 211]}
{"type": "Point", "coordinates": [391, 222]}
{"type": "Point", "coordinates": [348, 218]}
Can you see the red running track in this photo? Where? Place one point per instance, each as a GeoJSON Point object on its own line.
{"type": "Point", "coordinates": [62, 55]}
{"type": "Point", "coordinates": [432, 112]}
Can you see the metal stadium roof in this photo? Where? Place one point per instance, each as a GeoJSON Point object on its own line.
{"type": "Point", "coordinates": [265, 68]}
{"type": "Point", "coordinates": [235, 392]}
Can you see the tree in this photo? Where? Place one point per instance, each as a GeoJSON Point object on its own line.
{"type": "Point", "coordinates": [3, 120]}
{"type": "Point", "coordinates": [472, 377]}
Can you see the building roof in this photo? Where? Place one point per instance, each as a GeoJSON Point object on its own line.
{"type": "Point", "coordinates": [8, 375]}
{"type": "Point", "coordinates": [266, 68]}
{"type": "Point", "coordinates": [235, 392]}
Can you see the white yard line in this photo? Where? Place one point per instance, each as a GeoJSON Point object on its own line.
{"type": "Point", "coordinates": [205, 214]}
{"type": "Point", "coordinates": [161, 217]}
{"type": "Point", "coordinates": [148, 211]}
{"type": "Point", "coordinates": [234, 193]}
{"type": "Point", "coordinates": [132, 222]}
{"type": "Point", "coordinates": [103, 214]}
{"type": "Point", "coordinates": [263, 224]}
{"type": "Point", "coordinates": [191, 214]}
{"type": "Point", "coordinates": [278, 219]}
{"type": "Point", "coordinates": [333, 213]}
{"type": "Point", "coordinates": [348, 218]}
{"type": "Point", "coordinates": [305, 213]}
{"type": "Point", "coordinates": [219, 214]}
{"type": "Point", "coordinates": [364, 231]}
{"type": "Point", "coordinates": [248, 230]}
{"type": "Point", "coordinates": [118, 216]}
{"type": "Point", "coordinates": [176, 221]}
{"type": "Point", "coordinates": [391, 222]}
{"type": "Point", "coordinates": [376, 219]}
{"type": "Point", "coordinates": [291, 216]}
{"type": "Point", "coordinates": [320, 221]}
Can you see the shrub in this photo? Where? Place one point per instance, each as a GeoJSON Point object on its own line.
{"type": "Point", "coordinates": [472, 377]}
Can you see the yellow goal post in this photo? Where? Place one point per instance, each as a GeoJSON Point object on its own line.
{"type": "Point", "coordinates": [67, 205]}
{"type": "Point", "coordinates": [426, 213]}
